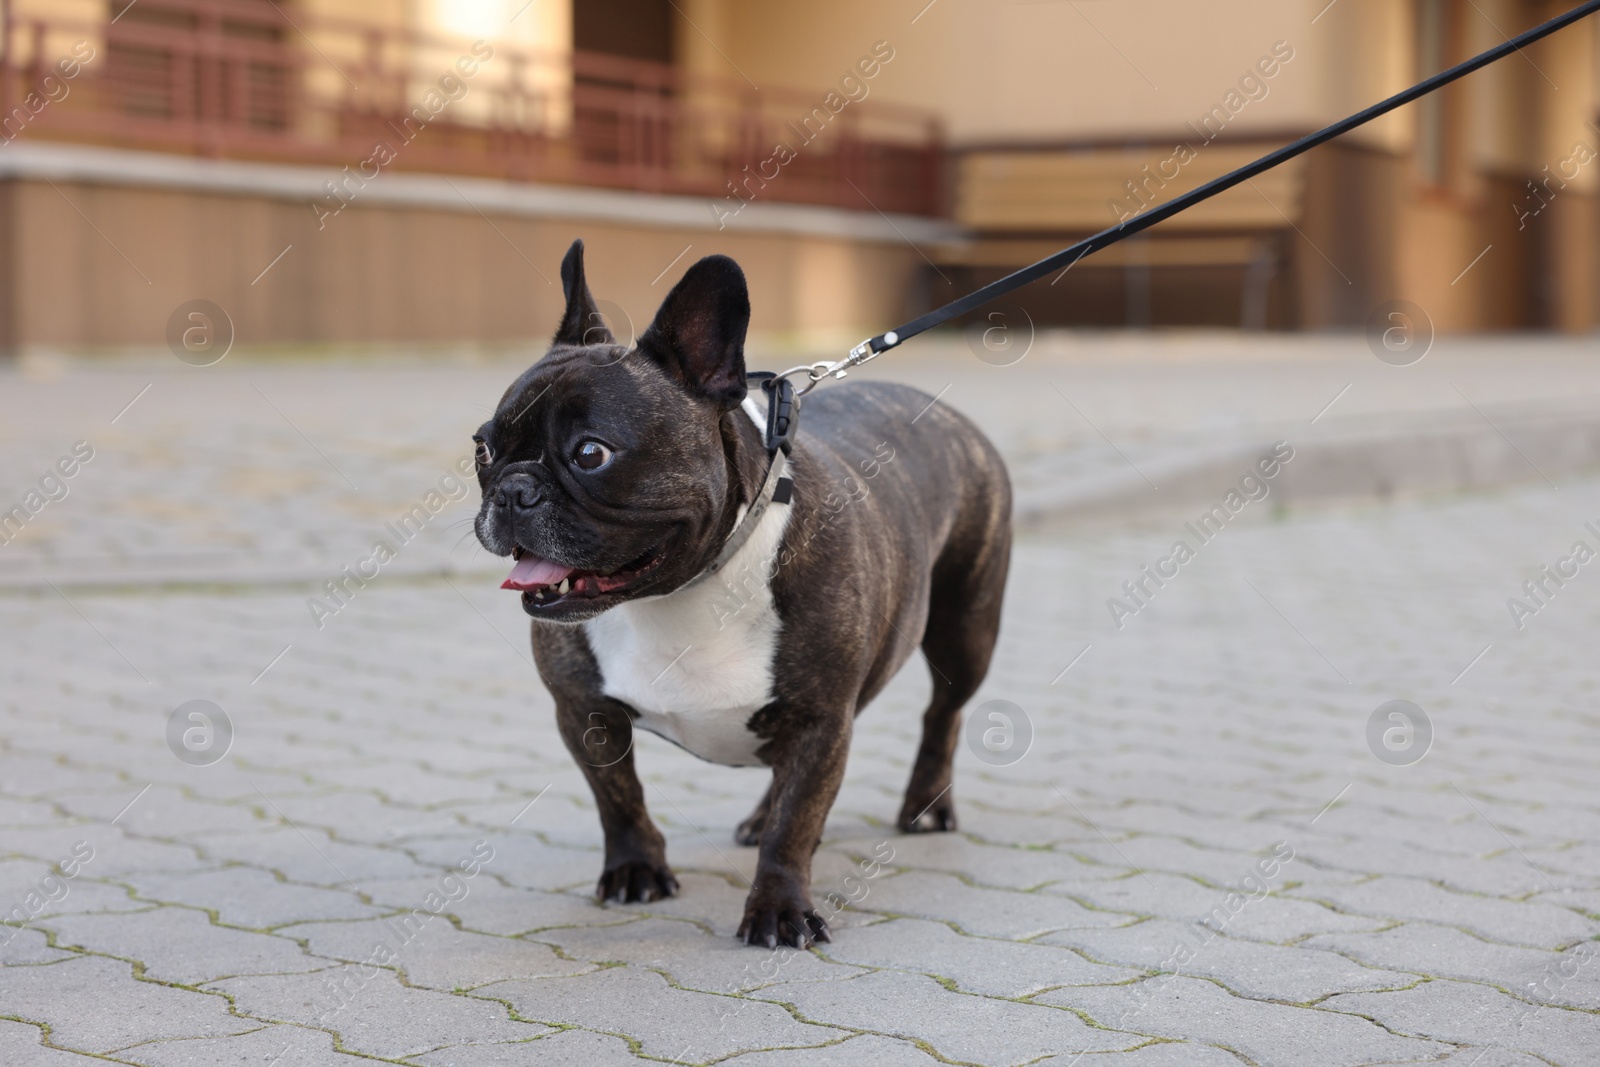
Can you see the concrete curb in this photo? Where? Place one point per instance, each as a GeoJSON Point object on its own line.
{"type": "Point", "coordinates": [1375, 464]}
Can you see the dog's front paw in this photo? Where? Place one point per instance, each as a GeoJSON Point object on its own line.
{"type": "Point", "coordinates": [775, 917]}
{"type": "Point", "coordinates": [635, 880]}
{"type": "Point", "coordinates": [921, 816]}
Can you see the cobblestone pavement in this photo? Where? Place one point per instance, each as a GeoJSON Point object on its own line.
{"type": "Point", "coordinates": [1199, 857]}
{"type": "Point", "coordinates": [273, 468]}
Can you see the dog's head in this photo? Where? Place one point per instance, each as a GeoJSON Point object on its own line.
{"type": "Point", "coordinates": [605, 470]}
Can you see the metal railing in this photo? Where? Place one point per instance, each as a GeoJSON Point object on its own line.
{"type": "Point", "coordinates": [252, 79]}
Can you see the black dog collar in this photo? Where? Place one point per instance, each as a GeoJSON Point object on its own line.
{"type": "Point", "coordinates": [783, 410]}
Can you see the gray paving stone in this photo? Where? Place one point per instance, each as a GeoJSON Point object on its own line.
{"type": "Point", "coordinates": [1155, 1054]}
{"type": "Point", "coordinates": [977, 965]}
{"type": "Point", "coordinates": [314, 859]}
{"type": "Point", "coordinates": [494, 908]}
{"type": "Point", "coordinates": [182, 945]}
{"type": "Point", "coordinates": [1503, 875]}
{"type": "Point", "coordinates": [968, 1029]}
{"type": "Point", "coordinates": [31, 813]}
{"type": "Point", "coordinates": [1268, 1034]}
{"type": "Point", "coordinates": [520, 860]}
{"type": "Point", "coordinates": [1570, 978]}
{"type": "Point", "coordinates": [1249, 968]}
{"type": "Point", "coordinates": [411, 785]}
{"type": "Point", "coordinates": [1573, 864]}
{"type": "Point", "coordinates": [20, 1043]}
{"type": "Point", "coordinates": [563, 1048]}
{"type": "Point", "coordinates": [238, 786]}
{"type": "Point", "coordinates": [985, 912]}
{"type": "Point", "coordinates": [1010, 868]}
{"type": "Point", "coordinates": [22, 945]}
{"type": "Point", "coordinates": [1563, 822]}
{"type": "Point", "coordinates": [92, 1004]}
{"type": "Point", "coordinates": [360, 816]}
{"type": "Point", "coordinates": [33, 777]}
{"type": "Point", "coordinates": [868, 1048]}
{"type": "Point", "coordinates": [248, 897]}
{"type": "Point", "coordinates": [1585, 902]}
{"type": "Point", "coordinates": [1478, 1056]}
{"type": "Point", "coordinates": [269, 1046]}
{"type": "Point", "coordinates": [1538, 925]}
{"type": "Point", "coordinates": [1479, 1016]}
{"type": "Point", "coordinates": [116, 853]}
{"type": "Point", "coordinates": [165, 812]}
{"type": "Point", "coordinates": [711, 963]}
{"type": "Point", "coordinates": [373, 1013]}
{"type": "Point", "coordinates": [1433, 825]}
{"type": "Point", "coordinates": [669, 1023]}
{"type": "Point", "coordinates": [990, 824]}
{"type": "Point", "coordinates": [1148, 852]}
{"type": "Point", "coordinates": [1285, 920]}
{"type": "Point", "coordinates": [1157, 894]}
{"type": "Point", "coordinates": [1216, 830]}
{"type": "Point", "coordinates": [432, 953]}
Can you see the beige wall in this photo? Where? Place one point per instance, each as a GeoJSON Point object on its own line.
{"type": "Point", "coordinates": [378, 273]}
{"type": "Point", "coordinates": [1361, 51]}
{"type": "Point", "coordinates": [1031, 72]}
{"type": "Point", "coordinates": [1054, 72]}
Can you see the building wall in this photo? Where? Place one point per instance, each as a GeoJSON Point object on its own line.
{"type": "Point", "coordinates": [1356, 226]}
{"type": "Point", "coordinates": [112, 275]}
{"type": "Point", "coordinates": [1006, 72]}
{"type": "Point", "coordinates": [1538, 262]}
{"type": "Point", "coordinates": [1140, 74]}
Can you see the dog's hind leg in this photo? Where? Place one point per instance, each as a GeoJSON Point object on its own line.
{"type": "Point", "coordinates": [963, 623]}
{"type": "Point", "coordinates": [749, 831]}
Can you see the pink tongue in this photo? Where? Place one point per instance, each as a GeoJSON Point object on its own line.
{"type": "Point", "coordinates": [531, 572]}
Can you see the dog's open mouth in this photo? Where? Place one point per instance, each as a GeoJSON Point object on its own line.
{"type": "Point", "coordinates": [545, 583]}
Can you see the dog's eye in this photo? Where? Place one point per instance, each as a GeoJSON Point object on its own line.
{"type": "Point", "coordinates": [591, 455]}
{"type": "Point", "coordinates": [485, 457]}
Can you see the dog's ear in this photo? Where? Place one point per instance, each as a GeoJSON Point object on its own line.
{"type": "Point", "coordinates": [582, 323]}
{"type": "Point", "coordinates": [698, 333]}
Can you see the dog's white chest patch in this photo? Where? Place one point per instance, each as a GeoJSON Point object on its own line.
{"type": "Point", "coordinates": [697, 663]}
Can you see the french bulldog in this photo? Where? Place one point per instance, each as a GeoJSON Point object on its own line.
{"type": "Point", "coordinates": [618, 478]}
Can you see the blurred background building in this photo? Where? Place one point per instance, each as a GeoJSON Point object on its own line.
{"type": "Point", "coordinates": [411, 170]}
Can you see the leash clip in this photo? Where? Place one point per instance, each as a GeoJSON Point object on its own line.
{"type": "Point", "coordinates": [861, 353]}
{"type": "Point", "coordinates": [816, 372]}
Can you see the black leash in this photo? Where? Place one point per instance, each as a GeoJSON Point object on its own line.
{"type": "Point", "coordinates": [1067, 257]}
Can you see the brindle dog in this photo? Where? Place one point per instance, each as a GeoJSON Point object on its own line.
{"type": "Point", "coordinates": [615, 477]}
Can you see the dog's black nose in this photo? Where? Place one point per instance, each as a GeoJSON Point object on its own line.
{"type": "Point", "coordinates": [518, 492]}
